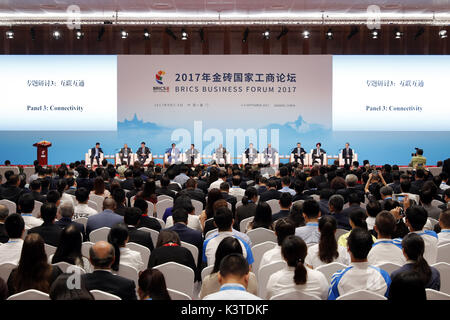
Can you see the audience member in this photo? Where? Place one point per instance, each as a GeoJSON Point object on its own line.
{"type": "Point", "coordinates": [407, 286]}
{"type": "Point", "coordinates": [311, 213]}
{"type": "Point", "coordinates": [59, 289]}
{"type": "Point", "coordinates": [49, 231]}
{"type": "Point", "coordinates": [118, 237]}
{"type": "Point", "coordinates": [107, 218]}
{"type": "Point", "coordinates": [262, 218]}
{"type": "Point", "coordinates": [82, 210]}
{"type": "Point", "coordinates": [285, 202]}
{"type": "Point", "coordinates": [152, 285]}
{"type": "Point", "coordinates": [11, 250]}
{"type": "Point", "coordinates": [283, 228]}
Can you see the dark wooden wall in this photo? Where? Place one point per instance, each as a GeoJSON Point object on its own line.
{"type": "Point", "coordinates": [222, 40]}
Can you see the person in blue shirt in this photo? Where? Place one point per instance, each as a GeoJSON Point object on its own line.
{"type": "Point", "coordinates": [310, 232]}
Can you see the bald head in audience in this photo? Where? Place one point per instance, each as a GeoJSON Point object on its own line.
{"type": "Point", "coordinates": [109, 204]}
{"type": "Point", "coordinates": [101, 255]}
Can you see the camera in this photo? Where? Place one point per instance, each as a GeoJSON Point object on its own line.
{"type": "Point", "coordinates": [415, 153]}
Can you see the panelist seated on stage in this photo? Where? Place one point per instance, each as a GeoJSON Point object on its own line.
{"type": "Point", "coordinates": [347, 154]}
{"type": "Point", "coordinates": [269, 155]}
{"type": "Point", "coordinates": [173, 154]}
{"type": "Point", "coordinates": [221, 154]}
{"type": "Point", "coordinates": [143, 153]}
{"type": "Point", "coordinates": [299, 153]}
{"type": "Point", "coordinates": [191, 154]}
{"type": "Point", "coordinates": [318, 154]}
{"type": "Point", "coordinates": [251, 154]}
{"type": "Point", "coordinates": [96, 153]}
{"type": "Point", "coordinates": [125, 153]}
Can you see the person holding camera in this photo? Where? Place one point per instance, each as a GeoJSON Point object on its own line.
{"type": "Point", "coordinates": [417, 160]}
{"type": "Point", "coordinates": [374, 184]}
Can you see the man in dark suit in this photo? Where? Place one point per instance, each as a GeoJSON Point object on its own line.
{"type": "Point", "coordinates": [101, 256]}
{"type": "Point", "coordinates": [352, 187]}
{"type": "Point", "coordinates": [35, 187]}
{"type": "Point", "coordinates": [164, 189]}
{"type": "Point", "coordinates": [221, 154]}
{"type": "Point", "coordinates": [419, 181]}
{"type": "Point", "coordinates": [317, 154]}
{"type": "Point", "coordinates": [65, 212]}
{"type": "Point", "coordinates": [271, 192]}
{"type": "Point", "coordinates": [299, 153]}
{"type": "Point", "coordinates": [128, 183]}
{"type": "Point", "coordinates": [11, 191]}
{"type": "Point", "coordinates": [95, 153]}
{"type": "Point", "coordinates": [49, 231]}
{"type": "Point", "coordinates": [120, 199]}
{"type": "Point", "coordinates": [193, 192]}
{"type": "Point", "coordinates": [4, 212]}
{"type": "Point", "coordinates": [335, 204]}
{"type": "Point", "coordinates": [186, 234]}
{"type": "Point", "coordinates": [354, 205]}
{"type": "Point", "coordinates": [131, 218]}
{"type": "Point", "coordinates": [143, 153]}
{"type": "Point", "coordinates": [145, 220]}
{"type": "Point", "coordinates": [285, 206]}
{"type": "Point", "coordinates": [347, 154]}
{"type": "Point", "coordinates": [125, 152]}
{"type": "Point", "coordinates": [251, 154]}
{"type": "Point", "coordinates": [224, 189]}
{"type": "Point", "coordinates": [299, 187]}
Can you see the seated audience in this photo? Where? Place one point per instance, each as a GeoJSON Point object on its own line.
{"type": "Point", "coordinates": [327, 250]}
{"type": "Point", "coordinates": [271, 193]}
{"type": "Point", "coordinates": [335, 204]}
{"type": "Point", "coordinates": [263, 217]}
{"type": "Point", "coordinates": [10, 251]}
{"type": "Point", "coordinates": [146, 220]}
{"type": "Point", "coordinates": [65, 212]}
{"type": "Point", "coordinates": [82, 210]}
{"type": "Point", "coordinates": [311, 213]}
{"type": "Point", "coordinates": [69, 249]}
{"type": "Point", "coordinates": [107, 218]}
{"type": "Point", "coordinates": [357, 219]}
{"type": "Point", "coordinates": [131, 219]}
{"type": "Point", "coordinates": [102, 256]}
{"type": "Point", "coordinates": [185, 203]}
{"type": "Point", "coordinates": [210, 284]}
{"type": "Point", "coordinates": [413, 250]}
{"type": "Point", "coordinates": [118, 237]}
{"type": "Point", "coordinates": [283, 228]}
{"type": "Point", "coordinates": [4, 212]}
{"type": "Point", "coordinates": [26, 207]}
{"type": "Point", "coordinates": [444, 223]}
{"type": "Point", "coordinates": [233, 278]}
{"type": "Point", "coordinates": [152, 285]}
{"type": "Point", "coordinates": [49, 231]}
{"type": "Point", "coordinates": [33, 271]}
{"type": "Point", "coordinates": [99, 188]}
{"type": "Point", "coordinates": [384, 249]}
{"type": "Point", "coordinates": [359, 275]}
{"type": "Point", "coordinates": [296, 276]}
{"type": "Point", "coordinates": [59, 289]}
{"type": "Point", "coordinates": [285, 202]}
{"type": "Point", "coordinates": [296, 214]}
{"type": "Point", "coordinates": [407, 286]}
{"type": "Point", "coordinates": [373, 208]}
{"type": "Point", "coordinates": [248, 207]}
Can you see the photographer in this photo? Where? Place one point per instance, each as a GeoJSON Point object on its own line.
{"type": "Point", "coordinates": [418, 159]}
{"type": "Point", "coordinates": [374, 184]}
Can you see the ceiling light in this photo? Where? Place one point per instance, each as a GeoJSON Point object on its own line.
{"type": "Point", "coordinates": [374, 34]}
{"type": "Point", "coordinates": [266, 34]}
{"type": "Point", "coordinates": [306, 34]}
{"type": "Point", "coordinates": [56, 34]}
{"type": "Point", "coordinates": [329, 34]}
{"type": "Point", "coordinates": [9, 34]}
{"type": "Point", "coordinates": [443, 33]}
{"type": "Point", "coordinates": [398, 34]}
{"type": "Point", "coordinates": [146, 34]}
{"type": "Point", "coordinates": [124, 34]}
{"type": "Point", "coordinates": [79, 35]}
{"type": "Point", "coordinates": [184, 34]}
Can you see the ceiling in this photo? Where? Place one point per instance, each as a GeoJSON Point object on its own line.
{"type": "Point", "coordinates": [223, 9]}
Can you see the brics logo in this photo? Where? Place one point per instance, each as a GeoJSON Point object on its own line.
{"type": "Point", "coordinates": [159, 77]}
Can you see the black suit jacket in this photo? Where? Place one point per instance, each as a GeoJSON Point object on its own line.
{"type": "Point", "coordinates": [269, 195]}
{"type": "Point", "coordinates": [177, 254]}
{"type": "Point", "coordinates": [195, 194]}
{"type": "Point", "coordinates": [141, 152]}
{"type": "Point", "coordinates": [12, 193]}
{"type": "Point", "coordinates": [140, 237]}
{"type": "Point", "coordinates": [93, 152]}
{"type": "Point", "coordinates": [122, 151]}
{"type": "Point", "coordinates": [108, 282]}
{"type": "Point", "coordinates": [64, 222]}
{"type": "Point", "coordinates": [280, 215]}
{"type": "Point", "coordinates": [350, 153]}
{"type": "Point", "coordinates": [39, 197]}
{"type": "Point", "coordinates": [244, 212]}
{"type": "Point", "coordinates": [295, 152]}
{"type": "Point", "coordinates": [231, 200]}
{"type": "Point", "coordinates": [3, 235]}
{"type": "Point", "coordinates": [50, 232]}
{"type": "Point", "coordinates": [127, 184]}
{"type": "Point", "coordinates": [149, 222]}
{"type": "Point", "coordinates": [165, 191]}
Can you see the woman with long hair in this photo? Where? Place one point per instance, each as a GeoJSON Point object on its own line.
{"type": "Point", "coordinates": [208, 213]}
{"type": "Point", "coordinates": [357, 219]}
{"type": "Point", "coordinates": [210, 283]}
{"type": "Point", "coordinates": [60, 291]}
{"type": "Point", "coordinates": [148, 193]}
{"type": "Point", "coordinates": [69, 249]}
{"type": "Point", "coordinates": [99, 188]}
{"type": "Point", "coordinates": [118, 236]}
{"type": "Point", "coordinates": [327, 250]}
{"type": "Point", "coordinates": [152, 285]}
{"type": "Point", "coordinates": [296, 276]}
{"type": "Point", "coordinates": [413, 249]}
{"type": "Point", "coordinates": [33, 271]}
{"type": "Point", "coordinates": [263, 217]}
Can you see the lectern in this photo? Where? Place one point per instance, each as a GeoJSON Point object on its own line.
{"type": "Point", "coordinates": [42, 151]}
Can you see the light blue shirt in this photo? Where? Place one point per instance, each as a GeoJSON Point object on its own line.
{"type": "Point", "coordinates": [236, 233]}
{"type": "Point", "coordinates": [287, 189]}
{"type": "Point", "coordinates": [309, 233]}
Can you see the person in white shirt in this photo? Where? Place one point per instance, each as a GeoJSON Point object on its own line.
{"type": "Point", "coordinates": [327, 250]}
{"type": "Point", "coordinates": [296, 277]}
{"type": "Point", "coordinates": [223, 218]}
{"type": "Point", "coordinates": [222, 178]}
{"type": "Point", "coordinates": [233, 277]}
{"type": "Point", "coordinates": [26, 207]}
{"type": "Point", "coordinates": [384, 249]}
{"type": "Point", "coordinates": [360, 275]}
{"type": "Point", "coordinates": [416, 218]}
{"type": "Point", "coordinates": [373, 208]}
{"type": "Point", "coordinates": [444, 223]}
{"type": "Point", "coordinates": [11, 251]}
{"type": "Point", "coordinates": [236, 190]}
{"type": "Point", "coordinates": [283, 229]}
{"type": "Point", "coordinates": [193, 220]}
{"type": "Point", "coordinates": [82, 210]}
{"type": "Point", "coordinates": [118, 237]}
{"type": "Point", "coordinates": [285, 186]}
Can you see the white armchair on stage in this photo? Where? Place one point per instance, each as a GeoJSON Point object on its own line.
{"type": "Point", "coordinates": [324, 157]}
{"type": "Point", "coordinates": [174, 159]}
{"type": "Point", "coordinates": [341, 159]}
{"type": "Point", "coordinates": [222, 160]}
{"type": "Point", "coordinates": [87, 158]}
{"type": "Point", "coordinates": [197, 159]}
{"type": "Point", "coordinates": [307, 159]}
{"type": "Point", "coordinates": [134, 157]}
{"type": "Point", "coordinates": [273, 161]}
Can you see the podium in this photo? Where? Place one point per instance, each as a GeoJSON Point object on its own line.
{"type": "Point", "coordinates": [42, 151]}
